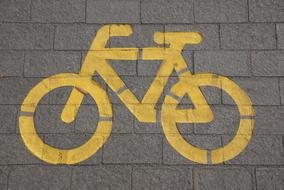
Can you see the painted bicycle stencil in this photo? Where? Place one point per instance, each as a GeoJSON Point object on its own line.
{"type": "Point", "coordinates": [96, 60]}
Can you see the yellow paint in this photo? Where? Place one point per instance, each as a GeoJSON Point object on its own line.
{"type": "Point", "coordinates": [144, 110]}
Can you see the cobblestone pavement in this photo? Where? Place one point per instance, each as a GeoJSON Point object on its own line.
{"type": "Point", "coordinates": [243, 39]}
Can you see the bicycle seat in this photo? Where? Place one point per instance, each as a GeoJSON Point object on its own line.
{"type": "Point", "coordinates": [177, 39]}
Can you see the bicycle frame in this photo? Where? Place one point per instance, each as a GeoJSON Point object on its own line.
{"type": "Point", "coordinates": [96, 61]}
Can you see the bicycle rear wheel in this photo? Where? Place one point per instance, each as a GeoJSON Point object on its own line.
{"type": "Point", "coordinates": [54, 155]}
{"type": "Point", "coordinates": [170, 115]}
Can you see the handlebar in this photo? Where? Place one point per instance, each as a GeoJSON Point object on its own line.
{"type": "Point", "coordinates": [176, 39]}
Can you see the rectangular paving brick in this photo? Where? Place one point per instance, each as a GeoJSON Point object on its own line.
{"type": "Point", "coordinates": [4, 175]}
{"type": "Point", "coordinates": [69, 141]}
{"type": "Point", "coordinates": [40, 177]}
{"type": "Point", "coordinates": [156, 128]}
{"type": "Point", "coordinates": [8, 117]}
{"type": "Point", "coordinates": [180, 11]}
{"type": "Point", "coordinates": [267, 63]}
{"type": "Point", "coordinates": [58, 11]}
{"type": "Point", "coordinates": [13, 151]}
{"type": "Point", "coordinates": [60, 95]}
{"type": "Point", "coordinates": [46, 63]}
{"type": "Point", "coordinates": [262, 91]}
{"type": "Point", "coordinates": [150, 68]}
{"type": "Point", "coordinates": [124, 68]}
{"type": "Point", "coordinates": [112, 11]}
{"type": "Point", "coordinates": [223, 178]}
{"type": "Point", "coordinates": [282, 90]}
{"type": "Point", "coordinates": [133, 149]}
{"type": "Point", "coordinates": [268, 120]}
{"type": "Point", "coordinates": [248, 36]}
{"type": "Point", "coordinates": [15, 11]}
{"type": "Point", "coordinates": [14, 90]}
{"type": "Point", "coordinates": [212, 95]}
{"type": "Point", "coordinates": [26, 36]}
{"type": "Point", "coordinates": [47, 120]}
{"type": "Point", "coordinates": [167, 178]}
{"type": "Point", "coordinates": [266, 11]}
{"type": "Point", "coordinates": [209, 32]}
{"type": "Point", "coordinates": [220, 11]}
{"type": "Point", "coordinates": [270, 178]}
{"type": "Point", "coordinates": [11, 63]}
{"type": "Point", "coordinates": [280, 35]}
{"type": "Point", "coordinates": [101, 177]}
{"type": "Point", "coordinates": [88, 116]}
{"type": "Point", "coordinates": [138, 85]}
{"type": "Point", "coordinates": [74, 36]}
{"type": "Point", "coordinates": [172, 157]}
{"type": "Point", "coordinates": [141, 37]}
{"type": "Point", "coordinates": [226, 121]}
{"type": "Point", "coordinates": [228, 63]}
{"type": "Point", "coordinates": [261, 150]}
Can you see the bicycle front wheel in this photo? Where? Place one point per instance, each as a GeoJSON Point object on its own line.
{"type": "Point", "coordinates": [54, 155]}
{"type": "Point", "coordinates": [170, 116]}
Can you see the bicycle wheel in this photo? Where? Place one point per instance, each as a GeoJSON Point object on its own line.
{"type": "Point", "coordinates": [51, 154]}
{"type": "Point", "coordinates": [170, 116]}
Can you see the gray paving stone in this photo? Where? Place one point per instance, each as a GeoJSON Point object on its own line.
{"type": "Point", "coordinates": [60, 95]}
{"type": "Point", "coordinates": [11, 63]}
{"type": "Point", "coordinates": [13, 151]}
{"type": "Point", "coordinates": [226, 121]}
{"type": "Point", "coordinates": [26, 36]}
{"type": "Point", "coordinates": [138, 85]}
{"type": "Point", "coordinates": [8, 117]}
{"type": "Point", "coordinates": [228, 63]}
{"type": "Point", "coordinates": [88, 115]}
{"type": "Point", "coordinates": [165, 178]}
{"type": "Point", "coordinates": [148, 128]}
{"type": "Point", "coordinates": [150, 68]}
{"type": "Point", "coordinates": [14, 90]}
{"type": "Point", "coordinates": [4, 175]}
{"type": "Point", "coordinates": [124, 68]}
{"type": "Point", "coordinates": [121, 67]}
{"type": "Point", "coordinates": [213, 11]}
{"type": "Point", "coordinates": [74, 36]}
{"type": "Point", "coordinates": [261, 150]}
{"type": "Point", "coordinates": [46, 63]}
{"type": "Point", "coordinates": [133, 149]}
{"type": "Point", "coordinates": [282, 90]}
{"type": "Point", "coordinates": [112, 11]}
{"type": "Point", "coordinates": [156, 128]}
{"type": "Point", "coordinates": [280, 36]}
{"type": "Point", "coordinates": [270, 178]}
{"type": "Point", "coordinates": [269, 120]}
{"type": "Point", "coordinates": [15, 11]}
{"type": "Point", "coordinates": [161, 11]}
{"type": "Point", "coordinates": [266, 11]}
{"type": "Point", "coordinates": [210, 33]}
{"type": "Point", "coordinates": [262, 91]}
{"type": "Point", "coordinates": [211, 94]}
{"type": "Point", "coordinates": [248, 36]}
{"type": "Point", "coordinates": [141, 37]}
{"type": "Point", "coordinates": [58, 11]}
{"type": "Point", "coordinates": [123, 120]}
{"type": "Point", "coordinates": [87, 119]}
{"type": "Point", "coordinates": [268, 63]}
{"type": "Point", "coordinates": [101, 177]}
{"type": "Point", "coordinates": [223, 178]}
{"type": "Point", "coordinates": [172, 157]}
{"type": "Point", "coordinates": [70, 141]}
{"type": "Point", "coordinates": [40, 178]}
{"type": "Point", "coordinates": [47, 120]}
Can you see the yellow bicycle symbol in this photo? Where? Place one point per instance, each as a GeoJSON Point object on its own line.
{"type": "Point", "coordinates": [144, 111]}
